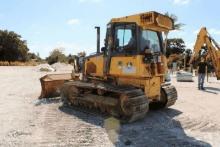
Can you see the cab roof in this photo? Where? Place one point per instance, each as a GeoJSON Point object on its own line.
{"type": "Point", "coordinates": [148, 20]}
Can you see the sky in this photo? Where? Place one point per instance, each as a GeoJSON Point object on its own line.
{"type": "Point", "coordinates": [49, 24]}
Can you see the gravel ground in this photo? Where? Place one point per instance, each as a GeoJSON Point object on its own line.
{"type": "Point", "coordinates": [25, 121]}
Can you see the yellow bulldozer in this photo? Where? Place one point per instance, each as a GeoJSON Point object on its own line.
{"type": "Point", "coordinates": [126, 75]}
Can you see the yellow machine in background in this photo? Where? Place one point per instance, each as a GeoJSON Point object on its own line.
{"type": "Point", "coordinates": [204, 40]}
{"type": "Point", "coordinates": [129, 72]}
{"type": "Point", "coordinates": [174, 57]}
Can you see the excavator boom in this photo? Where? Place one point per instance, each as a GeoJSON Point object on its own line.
{"type": "Point", "coordinates": [213, 50]}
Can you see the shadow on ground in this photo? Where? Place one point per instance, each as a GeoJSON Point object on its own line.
{"type": "Point", "coordinates": [213, 89]}
{"type": "Point", "coordinates": [47, 101]}
{"type": "Point", "coordinates": [158, 128]}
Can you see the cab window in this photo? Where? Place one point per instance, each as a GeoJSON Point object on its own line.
{"type": "Point", "coordinates": [150, 40]}
{"type": "Point", "coordinates": [125, 38]}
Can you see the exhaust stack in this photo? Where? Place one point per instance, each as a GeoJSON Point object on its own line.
{"type": "Point", "coordinates": [98, 39]}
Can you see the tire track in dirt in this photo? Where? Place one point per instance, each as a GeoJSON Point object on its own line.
{"type": "Point", "coordinates": [77, 128]}
{"type": "Point", "coordinates": [69, 129]}
{"type": "Point", "coordinates": [165, 128]}
{"type": "Point", "coordinates": [201, 125]}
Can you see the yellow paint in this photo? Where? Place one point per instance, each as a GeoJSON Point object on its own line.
{"type": "Point", "coordinates": [154, 87]}
{"type": "Point", "coordinates": [150, 85]}
{"type": "Point", "coordinates": [98, 61]}
{"type": "Point", "coordinates": [149, 20]}
{"type": "Point", "coordinates": [124, 66]}
{"type": "Point", "coordinates": [129, 66]}
{"type": "Point", "coordinates": [139, 76]}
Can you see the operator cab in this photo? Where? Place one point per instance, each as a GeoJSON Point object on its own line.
{"type": "Point", "coordinates": [137, 34]}
{"type": "Point", "coordinates": [130, 39]}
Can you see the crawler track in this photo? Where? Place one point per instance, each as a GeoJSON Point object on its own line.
{"type": "Point", "coordinates": [170, 94]}
{"type": "Point", "coordinates": [168, 97]}
{"type": "Point", "coordinates": [125, 102]}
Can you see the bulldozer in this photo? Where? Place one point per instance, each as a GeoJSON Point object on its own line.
{"type": "Point", "coordinates": [126, 76]}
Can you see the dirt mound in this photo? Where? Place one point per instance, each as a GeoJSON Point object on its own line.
{"type": "Point", "coordinates": [45, 68]}
{"type": "Point", "coordinates": [62, 67]}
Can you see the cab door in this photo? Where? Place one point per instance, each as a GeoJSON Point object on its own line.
{"type": "Point", "coordinates": [124, 61]}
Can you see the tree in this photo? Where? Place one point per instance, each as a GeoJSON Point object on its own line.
{"type": "Point", "coordinates": [177, 26]}
{"type": "Point", "coordinates": [33, 56]}
{"type": "Point", "coordinates": [56, 55]}
{"type": "Point", "coordinates": [175, 46]}
{"type": "Point", "coordinates": [12, 47]}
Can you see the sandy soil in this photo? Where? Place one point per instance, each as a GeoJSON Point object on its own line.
{"type": "Point", "coordinates": [25, 121]}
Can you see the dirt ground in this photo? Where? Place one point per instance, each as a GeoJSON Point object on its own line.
{"type": "Point", "coordinates": [25, 121]}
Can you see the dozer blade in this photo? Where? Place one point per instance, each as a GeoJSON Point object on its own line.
{"type": "Point", "coordinates": [51, 84]}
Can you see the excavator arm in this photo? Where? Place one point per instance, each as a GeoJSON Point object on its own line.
{"type": "Point", "coordinates": [213, 50]}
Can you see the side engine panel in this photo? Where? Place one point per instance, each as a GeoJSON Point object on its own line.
{"type": "Point", "coordinates": [94, 65]}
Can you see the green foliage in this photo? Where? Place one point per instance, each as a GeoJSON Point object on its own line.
{"type": "Point", "coordinates": [175, 46]}
{"type": "Point", "coordinates": [12, 47]}
{"type": "Point", "coordinates": [33, 56]}
{"type": "Point", "coordinates": [56, 55]}
{"type": "Point", "coordinates": [177, 26]}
